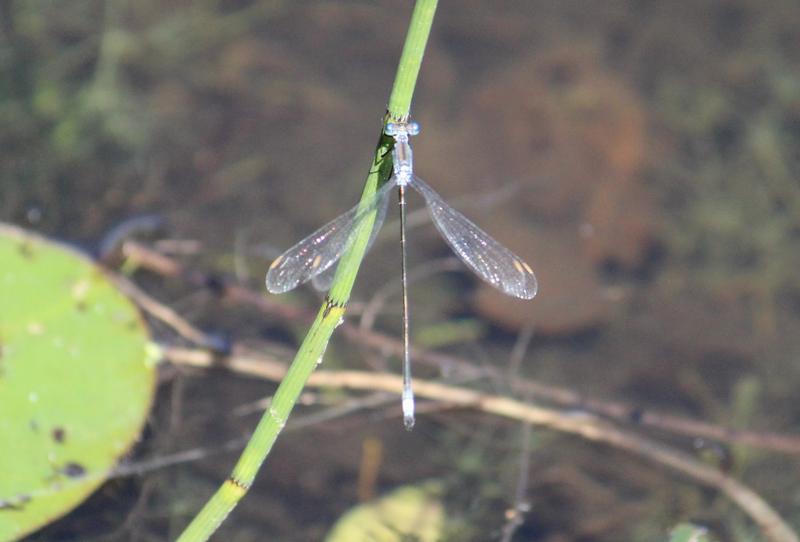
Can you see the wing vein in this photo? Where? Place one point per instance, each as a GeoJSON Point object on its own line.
{"type": "Point", "coordinates": [320, 250]}
{"type": "Point", "coordinates": [490, 260]}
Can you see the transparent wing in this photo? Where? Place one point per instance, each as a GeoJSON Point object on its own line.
{"type": "Point", "coordinates": [322, 282]}
{"type": "Point", "coordinates": [320, 250]}
{"type": "Point", "coordinates": [490, 260]}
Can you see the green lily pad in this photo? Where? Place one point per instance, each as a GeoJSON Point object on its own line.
{"type": "Point", "coordinates": [408, 513]}
{"type": "Point", "coordinates": [76, 379]}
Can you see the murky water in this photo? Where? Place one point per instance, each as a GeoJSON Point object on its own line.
{"type": "Point", "coordinates": [642, 156]}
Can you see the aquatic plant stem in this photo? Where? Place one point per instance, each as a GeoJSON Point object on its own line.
{"type": "Point", "coordinates": [332, 311]}
{"type": "Point", "coordinates": [411, 59]}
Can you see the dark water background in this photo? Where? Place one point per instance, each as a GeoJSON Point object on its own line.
{"type": "Point", "coordinates": [642, 156]}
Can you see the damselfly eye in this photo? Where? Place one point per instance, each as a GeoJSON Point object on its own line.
{"type": "Point", "coordinates": [413, 128]}
{"type": "Point", "coordinates": [390, 129]}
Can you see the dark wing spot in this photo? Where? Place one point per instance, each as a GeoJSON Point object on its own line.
{"type": "Point", "coordinates": [59, 434]}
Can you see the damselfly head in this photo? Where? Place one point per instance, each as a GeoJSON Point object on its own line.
{"type": "Point", "coordinates": [394, 129]}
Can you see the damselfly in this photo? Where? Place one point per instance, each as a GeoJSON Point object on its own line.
{"type": "Point", "coordinates": [314, 256]}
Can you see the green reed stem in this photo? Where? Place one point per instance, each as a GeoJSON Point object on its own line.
{"type": "Point", "coordinates": [332, 311]}
{"type": "Point", "coordinates": [411, 59]}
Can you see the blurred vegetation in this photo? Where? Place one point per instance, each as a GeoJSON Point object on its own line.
{"type": "Point", "coordinates": [234, 117]}
{"type": "Point", "coordinates": [738, 227]}
{"type": "Point", "coordinates": [101, 102]}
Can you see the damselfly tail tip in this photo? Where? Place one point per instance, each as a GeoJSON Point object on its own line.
{"type": "Point", "coordinates": [408, 409]}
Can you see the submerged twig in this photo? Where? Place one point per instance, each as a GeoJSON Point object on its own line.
{"type": "Point", "coordinates": [162, 312]}
{"type": "Point", "coordinates": [516, 514]}
{"type": "Point", "coordinates": [561, 396]}
{"type": "Point", "coordinates": [584, 424]}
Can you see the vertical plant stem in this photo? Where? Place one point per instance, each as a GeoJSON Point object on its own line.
{"type": "Point", "coordinates": [332, 311]}
{"type": "Point", "coordinates": [411, 59]}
